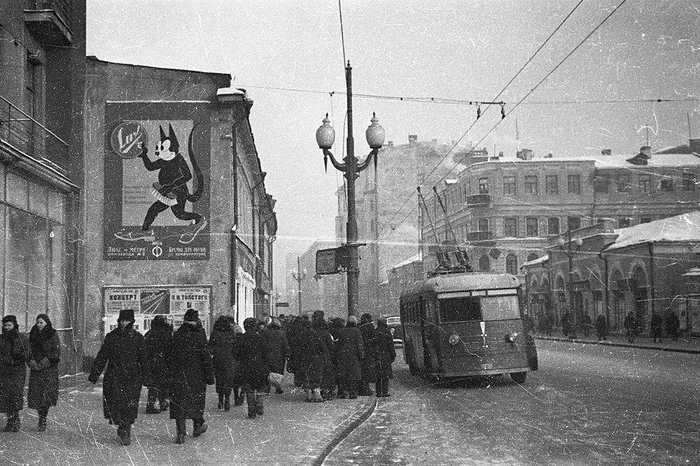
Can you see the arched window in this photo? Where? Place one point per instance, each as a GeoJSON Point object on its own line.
{"type": "Point", "coordinates": [512, 264]}
{"type": "Point", "coordinates": [484, 264]}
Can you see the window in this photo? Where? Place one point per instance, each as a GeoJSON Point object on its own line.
{"type": "Point", "coordinates": [509, 186]}
{"type": "Point", "coordinates": [645, 220]}
{"type": "Point", "coordinates": [688, 182]}
{"type": "Point", "coordinates": [601, 184]}
{"type": "Point", "coordinates": [484, 264]}
{"type": "Point", "coordinates": [531, 226]}
{"type": "Point", "coordinates": [623, 222]}
{"type": "Point", "coordinates": [574, 223]}
{"type": "Point", "coordinates": [531, 184]}
{"type": "Point", "coordinates": [483, 224]}
{"type": "Point", "coordinates": [510, 227]}
{"type": "Point", "coordinates": [623, 183]}
{"type": "Point", "coordinates": [666, 184]}
{"type": "Point", "coordinates": [553, 226]}
{"type": "Point", "coordinates": [552, 182]}
{"type": "Point", "coordinates": [512, 264]}
{"type": "Point", "coordinates": [574, 184]}
{"type": "Point", "coordinates": [460, 309]}
{"type": "Point", "coordinates": [483, 185]}
{"type": "Point", "coordinates": [645, 183]}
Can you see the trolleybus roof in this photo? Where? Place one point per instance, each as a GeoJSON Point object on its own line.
{"type": "Point", "coordinates": [463, 282]}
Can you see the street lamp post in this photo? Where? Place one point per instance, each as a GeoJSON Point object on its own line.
{"type": "Point", "coordinates": [566, 248]}
{"type": "Point", "coordinates": [325, 137]}
{"type": "Point", "coordinates": [299, 275]}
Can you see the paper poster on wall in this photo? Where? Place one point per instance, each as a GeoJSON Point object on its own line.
{"type": "Point", "coordinates": [156, 198]}
{"type": "Point", "coordinates": [170, 301]}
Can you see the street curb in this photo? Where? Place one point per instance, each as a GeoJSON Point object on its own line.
{"type": "Point", "coordinates": [622, 345]}
{"type": "Point", "coordinates": [343, 430]}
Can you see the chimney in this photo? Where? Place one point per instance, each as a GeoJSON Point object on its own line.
{"type": "Point", "coordinates": [694, 145]}
{"type": "Point", "coordinates": [390, 143]}
{"type": "Point", "coordinates": [646, 150]}
{"type": "Point", "coordinates": [606, 152]}
{"type": "Point", "coordinates": [525, 154]}
{"type": "Point", "coordinates": [500, 154]}
{"type": "Point", "coordinates": [412, 139]}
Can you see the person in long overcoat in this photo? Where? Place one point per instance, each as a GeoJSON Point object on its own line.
{"type": "Point", "coordinates": [630, 326]}
{"type": "Point", "coordinates": [673, 325]}
{"type": "Point", "coordinates": [278, 349]}
{"type": "Point", "coordinates": [311, 361]}
{"type": "Point", "coordinates": [350, 352]}
{"type": "Point", "coordinates": [158, 340]}
{"type": "Point", "coordinates": [221, 345]}
{"type": "Point", "coordinates": [251, 353]}
{"type": "Point", "coordinates": [123, 354]}
{"type": "Point", "coordinates": [14, 355]}
{"type": "Point", "coordinates": [328, 379]}
{"type": "Point", "coordinates": [566, 323]}
{"type": "Point", "coordinates": [45, 350]}
{"type": "Point", "coordinates": [601, 327]}
{"type": "Point", "coordinates": [294, 339]}
{"type": "Point", "coordinates": [192, 370]}
{"type": "Point", "coordinates": [656, 326]}
{"type": "Point", "coordinates": [370, 359]}
{"type": "Point", "coordinates": [385, 354]}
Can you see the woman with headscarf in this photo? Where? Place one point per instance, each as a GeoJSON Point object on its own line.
{"type": "Point", "coordinates": [14, 355]}
{"type": "Point", "coordinates": [158, 340]}
{"type": "Point", "coordinates": [45, 350]}
{"type": "Point", "coordinates": [221, 347]}
{"type": "Point", "coordinates": [192, 370]}
{"type": "Point", "coordinates": [251, 353]}
{"type": "Point", "coordinates": [124, 355]}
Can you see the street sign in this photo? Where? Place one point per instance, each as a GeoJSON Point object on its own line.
{"type": "Point", "coordinates": [330, 261]}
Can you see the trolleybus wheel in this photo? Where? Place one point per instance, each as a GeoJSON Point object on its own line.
{"type": "Point", "coordinates": [518, 377]}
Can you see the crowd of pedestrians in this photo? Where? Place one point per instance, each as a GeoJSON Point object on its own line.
{"type": "Point", "coordinates": [327, 359]}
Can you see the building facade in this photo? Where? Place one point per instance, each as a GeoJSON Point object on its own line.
{"type": "Point", "coordinates": [177, 213]}
{"type": "Point", "coordinates": [42, 79]}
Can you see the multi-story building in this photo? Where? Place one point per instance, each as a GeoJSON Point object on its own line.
{"type": "Point", "coordinates": [504, 209]}
{"type": "Point", "coordinates": [42, 78]}
{"type": "Point", "coordinates": [176, 208]}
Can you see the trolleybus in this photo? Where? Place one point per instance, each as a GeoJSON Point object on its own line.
{"type": "Point", "coordinates": [466, 324]}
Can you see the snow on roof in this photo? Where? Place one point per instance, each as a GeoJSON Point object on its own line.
{"type": "Point", "coordinates": [537, 261]}
{"type": "Point", "coordinates": [684, 227]}
{"type": "Point", "coordinates": [417, 257]}
{"type": "Point", "coordinates": [230, 91]}
{"type": "Point", "coordinates": [656, 160]}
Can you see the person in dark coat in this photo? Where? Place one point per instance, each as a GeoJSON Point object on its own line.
{"type": "Point", "coordinates": [157, 341]}
{"type": "Point", "coordinates": [673, 325]}
{"type": "Point", "coordinates": [192, 370]}
{"type": "Point", "coordinates": [601, 327]}
{"type": "Point", "coordinates": [586, 324]}
{"type": "Point", "coordinates": [320, 328]}
{"type": "Point", "coordinates": [656, 326]}
{"type": "Point", "coordinates": [630, 326]}
{"type": "Point", "coordinates": [124, 355]}
{"type": "Point", "coordinates": [278, 350]}
{"type": "Point", "coordinates": [251, 353]}
{"type": "Point", "coordinates": [349, 354]}
{"type": "Point", "coordinates": [294, 339]}
{"type": "Point", "coordinates": [566, 323]}
{"type": "Point", "coordinates": [45, 350]}
{"type": "Point", "coordinates": [335, 327]}
{"type": "Point", "coordinates": [370, 359]}
{"type": "Point", "coordinates": [14, 355]}
{"type": "Point", "coordinates": [386, 354]}
{"type": "Point", "coordinates": [312, 359]}
{"type": "Point", "coordinates": [221, 345]}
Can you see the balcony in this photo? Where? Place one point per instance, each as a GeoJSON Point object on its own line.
{"type": "Point", "coordinates": [22, 137]}
{"type": "Point", "coordinates": [479, 200]}
{"type": "Point", "coordinates": [49, 21]}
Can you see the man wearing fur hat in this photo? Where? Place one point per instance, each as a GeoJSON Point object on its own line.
{"type": "Point", "coordinates": [14, 355]}
{"type": "Point", "coordinates": [192, 370]}
{"type": "Point", "coordinates": [123, 353]}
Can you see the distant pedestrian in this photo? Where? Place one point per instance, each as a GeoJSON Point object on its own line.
{"type": "Point", "coordinates": [251, 353]}
{"type": "Point", "coordinates": [566, 323]}
{"type": "Point", "coordinates": [601, 327]}
{"type": "Point", "coordinates": [328, 379]}
{"type": "Point", "coordinates": [630, 326]}
{"type": "Point", "coordinates": [656, 326]}
{"type": "Point", "coordinates": [673, 325]}
{"type": "Point", "coordinates": [385, 356]}
{"type": "Point", "coordinates": [278, 350]}
{"type": "Point", "coordinates": [124, 355]}
{"type": "Point", "coordinates": [586, 324]}
{"type": "Point", "coordinates": [370, 358]}
{"type": "Point", "coordinates": [192, 370]}
{"type": "Point", "coordinates": [14, 355]}
{"type": "Point", "coordinates": [349, 354]}
{"type": "Point", "coordinates": [43, 378]}
{"type": "Point", "coordinates": [221, 343]}
{"type": "Point", "coordinates": [157, 342]}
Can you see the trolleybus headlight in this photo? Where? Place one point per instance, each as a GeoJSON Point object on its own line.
{"type": "Point", "coordinates": [453, 340]}
{"type": "Point", "coordinates": [510, 337]}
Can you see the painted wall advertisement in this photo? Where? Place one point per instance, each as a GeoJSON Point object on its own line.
{"type": "Point", "coordinates": [171, 301]}
{"type": "Point", "coordinates": [156, 171]}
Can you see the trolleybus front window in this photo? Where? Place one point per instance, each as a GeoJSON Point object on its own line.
{"type": "Point", "coordinates": [500, 308]}
{"type": "Point", "coordinates": [479, 308]}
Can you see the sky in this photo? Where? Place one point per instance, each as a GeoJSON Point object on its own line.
{"type": "Point", "coordinates": [418, 64]}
